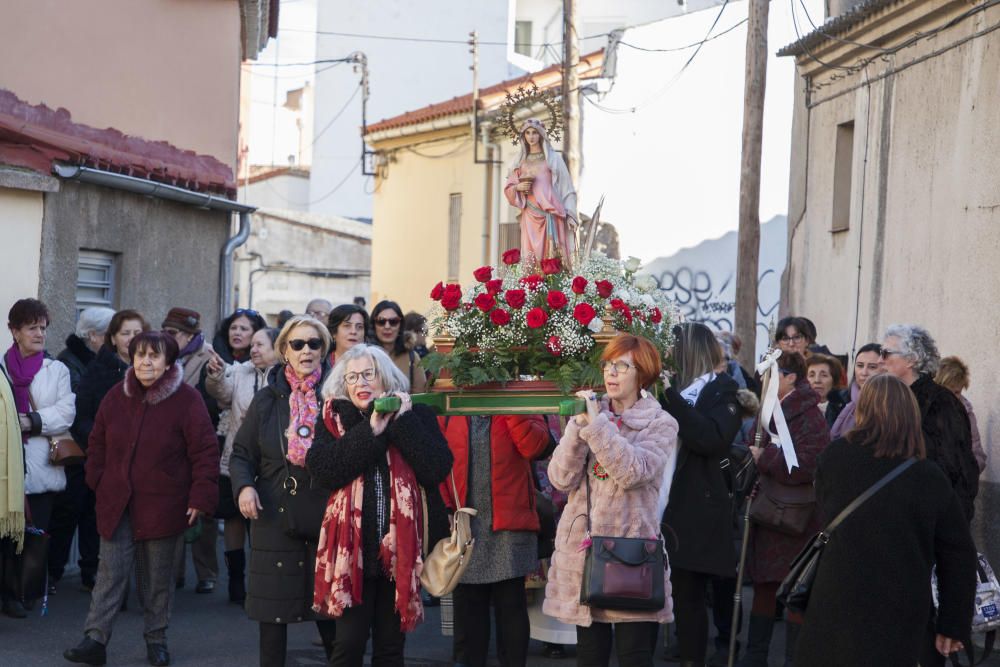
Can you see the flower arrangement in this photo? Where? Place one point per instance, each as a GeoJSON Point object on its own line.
{"type": "Point", "coordinates": [511, 323]}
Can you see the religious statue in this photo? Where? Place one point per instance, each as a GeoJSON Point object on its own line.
{"type": "Point", "coordinates": [539, 185]}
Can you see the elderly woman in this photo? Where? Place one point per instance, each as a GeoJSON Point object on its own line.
{"type": "Point", "coordinates": [82, 345]}
{"type": "Point", "coordinates": [616, 461]}
{"type": "Point", "coordinates": [368, 565]}
{"type": "Point", "coordinates": [953, 375]}
{"type": "Point", "coordinates": [824, 373]}
{"type": "Point", "coordinates": [387, 323]}
{"type": "Point", "coordinates": [911, 354]}
{"type": "Point", "coordinates": [866, 609]}
{"type": "Point", "coordinates": [269, 457]}
{"type": "Point", "coordinates": [77, 513]}
{"type": "Point", "coordinates": [151, 463]}
{"type": "Point", "coordinates": [771, 552]}
{"type": "Point", "coordinates": [867, 364]}
{"type": "Point", "coordinates": [348, 325]}
{"type": "Point", "coordinates": [234, 388]}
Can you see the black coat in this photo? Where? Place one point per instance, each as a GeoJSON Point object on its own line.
{"type": "Point", "coordinates": [77, 356]}
{"type": "Point", "coordinates": [336, 462]}
{"type": "Point", "coordinates": [871, 603]}
{"type": "Point", "coordinates": [948, 438]}
{"type": "Point", "coordinates": [835, 402]}
{"type": "Point", "coordinates": [282, 568]}
{"type": "Point", "coordinates": [103, 373]}
{"type": "Point", "coordinates": [699, 527]}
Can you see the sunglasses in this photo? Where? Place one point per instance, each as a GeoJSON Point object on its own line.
{"type": "Point", "coordinates": [298, 344]}
{"type": "Point", "coordinates": [885, 353]}
{"type": "Point", "coordinates": [387, 321]}
{"type": "Point", "coordinates": [245, 311]}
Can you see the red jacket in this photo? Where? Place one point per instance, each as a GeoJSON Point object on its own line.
{"type": "Point", "coordinates": [155, 453]}
{"type": "Point", "coordinates": [515, 441]}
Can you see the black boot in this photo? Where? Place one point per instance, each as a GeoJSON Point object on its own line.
{"type": "Point", "coordinates": [791, 639]}
{"type": "Point", "coordinates": [758, 641]}
{"type": "Point", "coordinates": [236, 563]}
{"type": "Point", "coordinates": [89, 652]}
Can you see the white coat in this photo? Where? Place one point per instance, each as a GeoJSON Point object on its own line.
{"type": "Point", "coordinates": [234, 388]}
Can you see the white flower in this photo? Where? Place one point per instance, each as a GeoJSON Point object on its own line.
{"type": "Point", "coordinates": [632, 264]}
{"type": "Point", "coordinates": [646, 283]}
{"type": "Point", "coordinates": [646, 300]}
{"type": "Point", "coordinates": [596, 324]}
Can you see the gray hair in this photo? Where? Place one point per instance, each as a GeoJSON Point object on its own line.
{"type": "Point", "coordinates": [392, 378]}
{"type": "Point", "coordinates": [916, 344]}
{"type": "Point", "coordinates": [95, 319]}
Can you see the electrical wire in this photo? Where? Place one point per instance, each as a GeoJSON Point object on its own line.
{"type": "Point", "coordinates": [686, 46]}
{"type": "Point", "coordinates": [339, 184]}
{"type": "Point", "coordinates": [300, 75]}
{"type": "Point", "coordinates": [305, 64]}
{"type": "Point", "coordinates": [337, 115]}
{"type": "Point", "coordinates": [457, 149]}
{"type": "Point", "coordinates": [837, 39]}
{"type": "Point", "coordinates": [798, 35]}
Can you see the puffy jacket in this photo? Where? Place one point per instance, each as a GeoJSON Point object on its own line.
{"type": "Point", "coordinates": [55, 408]}
{"type": "Point", "coordinates": [233, 389]}
{"type": "Point", "coordinates": [515, 441]}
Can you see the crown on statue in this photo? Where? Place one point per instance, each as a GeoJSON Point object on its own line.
{"type": "Point", "coordinates": [529, 98]}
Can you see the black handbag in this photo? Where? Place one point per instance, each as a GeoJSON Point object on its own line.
{"type": "Point", "coordinates": [796, 587]}
{"type": "Point", "coordinates": [25, 574]}
{"type": "Point", "coordinates": [301, 505]}
{"type": "Point", "coordinates": [624, 573]}
{"type": "Point", "coordinates": [785, 508]}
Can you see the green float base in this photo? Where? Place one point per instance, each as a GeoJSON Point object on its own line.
{"type": "Point", "coordinates": [501, 401]}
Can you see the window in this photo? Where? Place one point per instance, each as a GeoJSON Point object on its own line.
{"type": "Point", "coordinates": [454, 234]}
{"type": "Point", "coordinates": [522, 38]}
{"type": "Point", "coordinates": [843, 170]}
{"type": "Point", "coordinates": [95, 280]}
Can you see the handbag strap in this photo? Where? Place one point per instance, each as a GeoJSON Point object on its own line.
{"type": "Point", "coordinates": [872, 490]}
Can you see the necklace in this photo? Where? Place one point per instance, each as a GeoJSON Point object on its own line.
{"type": "Point", "coordinates": [536, 157]}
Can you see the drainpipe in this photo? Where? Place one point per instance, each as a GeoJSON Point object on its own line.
{"type": "Point", "coordinates": [142, 186]}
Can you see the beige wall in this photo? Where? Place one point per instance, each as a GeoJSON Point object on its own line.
{"type": "Point", "coordinates": [21, 229]}
{"type": "Point", "coordinates": [156, 69]}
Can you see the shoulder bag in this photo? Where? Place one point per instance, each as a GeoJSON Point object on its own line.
{"type": "Point", "coordinates": [447, 562]}
{"type": "Point", "coordinates": [794, 591]}
{"type": "Point", "coordinates": [301, 504]}
{"type": "Point", "coordinates": [785, 508]}
{"type": "Point", "coordinates": [624, 573]}
{"type": "Point", "coordinates": [63, 449]}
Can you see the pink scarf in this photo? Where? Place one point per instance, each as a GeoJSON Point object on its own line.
{"type": "Point", "coordinates": [304, 408]}
{"type": "Point", "coordinates": [339, 567]}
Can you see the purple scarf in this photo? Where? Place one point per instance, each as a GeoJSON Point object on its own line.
{"type": "Point", "coordinates": [196, 344]}
{"type": "Point", "coordinates": [846, 421]}
{"type": "Point", "coordinates": [22, 370]}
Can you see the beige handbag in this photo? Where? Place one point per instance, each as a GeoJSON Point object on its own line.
{"type": "Point", "coordinates": [444, 566]}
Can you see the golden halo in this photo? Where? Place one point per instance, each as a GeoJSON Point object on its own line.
{"type": "Point", "coordinates": [527, 98]}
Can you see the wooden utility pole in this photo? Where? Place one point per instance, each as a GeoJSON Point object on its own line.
{"type": "Point", "coordinates": [749, 230]}
{"type": "Point", "coordinates": [571, 90]}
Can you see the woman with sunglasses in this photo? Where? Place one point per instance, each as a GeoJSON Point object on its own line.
{"type": "Point", "coordinates": [387, 323]}
{"type": "Point", "coordinates": [269, 454]}
{"type": "Point", "coordinates": [770, 552]}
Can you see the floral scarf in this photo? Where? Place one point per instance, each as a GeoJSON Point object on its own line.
{"type": "Point", "coordinates": [339, 567]}
{"type": "Point", "coordinates": [303, 406]}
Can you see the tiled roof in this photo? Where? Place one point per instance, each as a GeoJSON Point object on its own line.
{"type": "Point", "coordinates": [590, 65]}
{"type": "Point", "coordinates": [836, 26]}
{"type": "Point", "coordinates": [260, 173]}
{"type": "Point", "coordinates": [36, 136]}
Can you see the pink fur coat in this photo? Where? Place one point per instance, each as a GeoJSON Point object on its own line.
{"type": "Point", "coordinates": [638, 457]}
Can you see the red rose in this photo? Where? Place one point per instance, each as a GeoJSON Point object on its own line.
{"type": "Point", "coordinates": [655, 316]}
{"type": "Point", "coordinates": [437, 292]}
{"type": "Point", "coordinates": [514, 298]}
{"type": "Point", "coordinates": [584, 313]}
{"type": "Point", "coordinates": [550, 266]}
{"type": "Point", "coordinates": [493, 286]}
{"type": "Point", "coordinates": [536, 317]}
{"type": "Point", "coordinates": [512, 256]}
{"type": "Point", "coordinates": [532, 281]}
{"type": "Point", "coordinates": [554, 345]}
{"type": "Point", "coordinates": [499, 317]}
{"type": "Point", "coordinates": [483, 273]}
{"type": "Point", "coordinates": [556, 300]}
{"type": "Point", "coordinates": [627, 314]}
{"type": "Point", "coordinates": [618, 304]}
{"type": "Point", "coordinates": [604, 288]}
{"type": "Point", "coordinates": [579, 285]}
{"type": "Point", "coordinates": [452, 297]}
{"type": "Point", "coordinates": [485, 302]}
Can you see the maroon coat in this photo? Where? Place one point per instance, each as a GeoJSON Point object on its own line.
{"type": "Point", "coordinates": [771, 553]}
{"type": "Point", "coordinates": [155, 453]}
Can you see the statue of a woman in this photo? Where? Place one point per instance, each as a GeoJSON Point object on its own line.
{"type": "Point", "coordinates": [539, 185]}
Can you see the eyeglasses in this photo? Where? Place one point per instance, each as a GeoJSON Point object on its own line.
{"type": "Point", "coordinates": [352, 378]}
{"type": "Point", "coordinates": [885, 353]}
{"type": "Point", "coordinates": [245, 311]}
{"type": "Point", "coordinates": [616, 366]}
{"type": "Point", "coordinates": [797, 338]}
{"type": "Point", "coordinates": [298, 344]}
{"type": "Point", "coordinates": [387, 321]}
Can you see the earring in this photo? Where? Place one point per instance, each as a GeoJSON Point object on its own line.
{"type": "Point", "coordinates": [643, 393]}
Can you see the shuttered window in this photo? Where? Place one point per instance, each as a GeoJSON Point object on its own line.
{"type": "Point", "coordinates": [95, 279]}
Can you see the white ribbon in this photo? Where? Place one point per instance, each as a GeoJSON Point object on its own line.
{"type": "Point", "coordinates": [772, 408]}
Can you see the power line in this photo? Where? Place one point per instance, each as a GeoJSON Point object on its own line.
{"type": "Point", "coordinates": [338, 185]}
{"type": "Point", "coordinates": [336, 115]}
{"type": "Point", "coordinates": [427, 40]}
{"type": "Point", "coordinates": [838, 39]}
{"type": "Point", "coordinates": [686, 46]}
{"type": "Point", "coordinates": [305, 64]}
{"type": "Point", "coordinates": [298, 75]}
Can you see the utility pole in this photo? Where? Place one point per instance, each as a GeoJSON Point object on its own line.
{"type": "Point", "coordinates": [474, 50]}
{"type": "Point", "coordinates": [571, 91]}
{"type": "Point", "coordinates": [749, 230]}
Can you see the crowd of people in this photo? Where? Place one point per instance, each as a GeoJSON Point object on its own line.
{"type": "Point", "coordinates": [271, 436]}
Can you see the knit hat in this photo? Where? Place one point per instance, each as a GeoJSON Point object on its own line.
{"type": "Point", "coordinates": [183, 319]}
